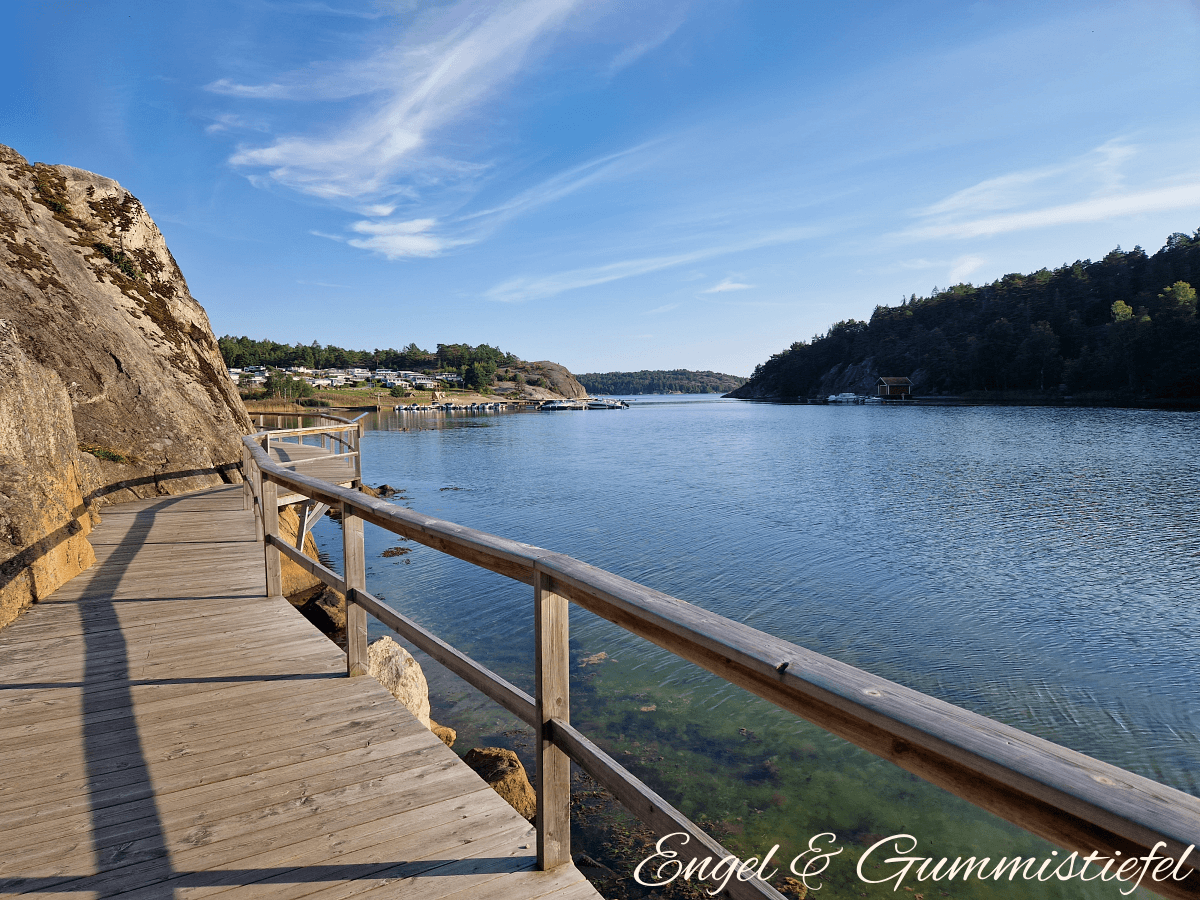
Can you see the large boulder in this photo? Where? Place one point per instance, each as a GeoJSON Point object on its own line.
{"type": "Point", "coordinates": [122, 391]}
{"type": "Point", "coordinates": [393, 667]}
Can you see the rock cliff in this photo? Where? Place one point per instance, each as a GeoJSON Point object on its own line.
{"type": "Point", "coordinates": [111, 383]}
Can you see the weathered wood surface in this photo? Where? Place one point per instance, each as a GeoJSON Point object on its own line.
{"type": "Point", "coordinates": [168, 731]}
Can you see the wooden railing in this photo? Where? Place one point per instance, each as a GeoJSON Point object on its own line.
{"type": "Point", "coordinates": [1066, 797]}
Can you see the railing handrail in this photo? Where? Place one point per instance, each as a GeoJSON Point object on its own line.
{"type": "Point", "coordinates": [1057, 793]}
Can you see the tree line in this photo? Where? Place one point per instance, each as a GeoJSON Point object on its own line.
{"type": "Point", "coordinates": [1125, 325]}
{"type": "Point", "coordinates": [659, 381]}
{"type": "Point", "coordinates": [477, 365]}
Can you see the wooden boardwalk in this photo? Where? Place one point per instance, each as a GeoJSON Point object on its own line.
{"type": "Point", "coordinates": [168, 731]}
{"type": "Point", "coordinates": [314, 461]}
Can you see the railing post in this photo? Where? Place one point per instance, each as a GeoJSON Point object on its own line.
{"type": "Point", "coordinates": [552, 669]}
{"type": "Point", "coordinates": [259, 481]}
{"type": "Point", "coordinates": [247, 493]}
{"type": "Point", "coordinates": [357, 456]}
{"type": "Point", "coordinates": [354, 573]}
{"type": "Point", "coordinates": [270, 517]}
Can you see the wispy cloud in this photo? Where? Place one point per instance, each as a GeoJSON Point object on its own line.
{"type": "Point", "coordinates": [1184, 196]}
{"type": "Point", "coordinates": [401, 239]}
{"type": "Point", "coordinates": [661, 309]}
{"type": "Point", "coordinates": [727, 285]}
{"type": "Point", "coordinates": [536, 288]}
{"type": "Point", "coordinates": [420, 87]}
{"type": "Point", "coordinates": [634, 52]}
{"type": "Point", "coordinates": [561, 185]}
{"type": "Point", "coordinates": [232, 122]}
{"type": "Point", "coordinates": [1017, 201]}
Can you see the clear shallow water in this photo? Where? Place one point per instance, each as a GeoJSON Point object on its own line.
{"type": "Point", "coordinates": [1037, 565]}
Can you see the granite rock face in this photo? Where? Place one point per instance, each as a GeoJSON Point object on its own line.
{"type": "Point", "coordinates": [43, 520]}
{"type": "Point", "coordinates": [112, 374]}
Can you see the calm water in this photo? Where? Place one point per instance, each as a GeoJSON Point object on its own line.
{"type": "Point", "coordinates": [1037, 565]}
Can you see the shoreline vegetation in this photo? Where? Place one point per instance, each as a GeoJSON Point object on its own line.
{"type": "Point", "coordinates": [1119, 331]}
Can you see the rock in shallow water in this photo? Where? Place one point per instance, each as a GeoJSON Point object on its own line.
{"type": "Point", "coordinates": [393, 667]}
{"type": "Point", "coordinates": [504, 773]}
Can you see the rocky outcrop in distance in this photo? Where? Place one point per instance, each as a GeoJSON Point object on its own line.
{"type": "Point", "coordinates": [560, 383]}
{"type": "Point", "coordinates": [111, 383]}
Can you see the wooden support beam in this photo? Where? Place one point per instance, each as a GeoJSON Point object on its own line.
{"type": "Point", "coordinates": [306, 509]}
{"type": "Point", "coordinates": [552, 670]}
{"type": "Point", "coordinates": [310, 514]}
{"type": "Point", "coordinates": [355, 576]}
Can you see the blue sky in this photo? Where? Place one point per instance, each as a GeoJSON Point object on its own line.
{"type": "Point", "coordinates": [618, 185]}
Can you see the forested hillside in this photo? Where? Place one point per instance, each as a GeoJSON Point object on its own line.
{"type": "Point", "coordinates": [658, 381]}
{"type": "Point", "coordinates": [1124, 326]}
{"type": "Point", "coordinates": [243, 351]}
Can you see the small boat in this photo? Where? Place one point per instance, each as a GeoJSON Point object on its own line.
{"type": "Point", "coordinates": [844, 397]}
{"type": "Point", "coordinates": [555, 405]}
{"type": "Point", "coordinates": [607, 403]}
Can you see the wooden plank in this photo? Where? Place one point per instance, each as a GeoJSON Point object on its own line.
{"type": "Point", "coordinates": [179, 774]}
{"type": "Point", "coordinates": [552, 676]}
{"type": "Point", "coordinates": [257, 792]}
{"type": "Point", "coordinates": [126, 802]}
{"type": "Point", "coordinates": [279, 872]}
{"type": "Point", "coordinates": [228, 837]}
{"type": "Point", "coordinates": [490, 863]}
{"type": "Point", "coordinates": [72, 772]}
{"type": "Point", "coordinates": [230, 840]}
{"type": "Point", "coordinates": [158, 711]}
